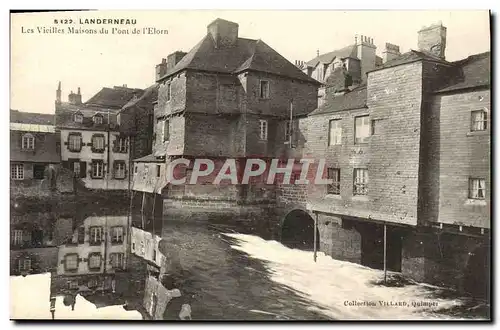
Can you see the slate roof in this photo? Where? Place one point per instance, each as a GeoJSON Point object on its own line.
{"type": "Point", "coordinates": [355, 99]}
{"type": "Point", "coordinates": [115, 97]}
{"type": "Point", "coordinates": [148, 96]}
{"type": "Point", "coordinates": [65, 117]}
{"type": "Point", "coordinates": [408, 57]}
{"type": "Point", "coordinates": [346, 52]}
{"type": "Point", "coordinates": [17, 116]}
{"type": "Point", "coordinates": [474, 71]}
{"type": "Point", "coordinates": [247, 54]}
{"type": "Point", "coordinates": [35, 128]}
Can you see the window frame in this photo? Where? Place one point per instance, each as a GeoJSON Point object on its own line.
{"type": "Point", "coordinates": [93, 237]}
{"type": "Point", "coordinates": [97, 163]}
{"type": "Point", "coordinates": [78, 117]}
{"type": "Point", "coordinates": [27, 145]}
{"type": "Point", "coordinates": [268, 89]}
{"type": "Point", "coordinates": [18, 170]}
{"type": "Point", "coordinates": [334, 187]}
{"type": "Point", "coordinates": [484, 121]}
{"type": "Point", "coordinates": [483, 189]}
{"type": "Point", "coordinates": [89, 258]}
{"type": "Point", "coordinates": [121, 144]}
{"type": "Point", "coordinates": [17, 237]}
{"type": "Point", "coordinates": [364, 139]}
{"type": "Point", "coordinates": [22, 261]}
{"type": "Point", "coordinates": [169, 91]}
{"type": "Point", "coordinates": [95, 147]}
{"type": "Point", "coordinates": [364, 185]}
{"type": "Point", "coordinates": [339, 129]}
{"type": "Point", "coordinates": [114, 230]}
{"type": "Point", "coordinates": [78, 137]}
{"type": "Point", "coordinates": [166, 130]}
{"type": "Point", "coordinates": [97, 119]}
{"type": "Point", "coordinates": [117, 165]}
{"type": "Point", "coordinates": [263, 137]}
{"type": "Point", "coordinates": [117, 256]}
{"type": "Point", "coordinates": [66, 256]}
{"type": "Point", "coordinates": [158, 171]}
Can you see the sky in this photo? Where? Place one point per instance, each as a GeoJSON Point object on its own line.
{"type": "Point", "coordinates": [92, 61]}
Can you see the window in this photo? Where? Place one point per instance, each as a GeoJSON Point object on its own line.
{"type": "Point", "coordinates": [24, 265]}
{"type": "Point", "coordinates": [92, 283]}
{"type": "Point", "coordinates": [97, 169]}
{"type": "Point", "coordinates": [81, 235]}
{"type": "Point", "coordinates": [158, 170]}
{"type": "Point", "coordinates": [72, 285]}
{"type": "Point", "coordinates": [78, 118]}
{"type": "Point", "coordinates": [17, 171]}
{"type": "Point", "coordinates": [97, 143]}
{"type": "Point", "coordinates": [94, 260]}
{"type": "Point", "coordinates": [17, 237]}
{"type": "Point", "coordinates": [374, 129]}
{"type": "Point", "coordinates": [71, 261]}
{"type": "Point", "coordinates": [335, 132]}
{"type": "Point", "coordinates": [361, 129]}
{"type": "Point", "coordinates": [360, 181]}
{"type": "Point", "coordinates": [166, 131]}
{"type": "Point", "coordinates": [28, 142]}
{"type": "Point", "coordinates": [38, 171]}
{"type": "Point", "coordinates": [95, 235]}
{"type": "Point", "coordinates": [76, 169]}
{"type": "Point", "coordinates": [135, 169]}
{"type": "Point", "coordinates": [169, 91]}
{"type": "Point", "coordinates": [479, 120]}
{"type": "Point", "coordinates": [121, 144]}
{"type": "Point", "coordinates": [120, 170]}
{"type": "Point", "coordinates": [117, 234]}
{"type": "Point", "coordinates": [477, 188]}
{"type": "Point", "coordinates": [97, 119]}
{"type": "Point", "coordinates": [263, 129]}
{"type": "Point", "coordinates": [334, 187]}
{"type": "Point", "coordinates": [117, 260]}
{"type": "Point", "coordinates": [264, 89]}
{"type": "Point", "coordinates": [74, 142]}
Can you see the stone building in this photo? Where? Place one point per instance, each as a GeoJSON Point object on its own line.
{"type": "Point", "coordinates": [34, 154]}
{"type": "Point", "coordinates": [408, 151]}
{"type": "Point", "coordinates": [92, 145]}
{"type": "Point", "coordinates": [228, 97]}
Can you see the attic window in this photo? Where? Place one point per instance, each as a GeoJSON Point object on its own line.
{"type": "Point", "coordinates": [97, 119]}
{"type": "Point", "coordinates": [78, 118]}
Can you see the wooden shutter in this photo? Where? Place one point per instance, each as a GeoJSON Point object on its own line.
{"type": "Point", "coordinates": [83, 169]}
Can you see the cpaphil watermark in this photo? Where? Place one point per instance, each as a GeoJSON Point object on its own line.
{"type": "Point", "coordinates": [305, 171]}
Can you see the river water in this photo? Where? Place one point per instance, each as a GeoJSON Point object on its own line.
{"type": "Point", "coordinates": [231, 275]}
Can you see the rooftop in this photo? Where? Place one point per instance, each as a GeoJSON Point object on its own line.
{"type": "Point", "coordinates": [32, 128]}
{"type": "Point", "coordinates": [354, 99]}
{"type": "Point", "coordinates": [247, 54]}
{"type": "Point", "coordinates": [115, 97]}
{"type": "Point", "coordinates": [17, 116]}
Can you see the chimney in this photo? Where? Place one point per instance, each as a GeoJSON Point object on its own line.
{"type": "Point", "coordinates": [161, 69]}
{"type": "Point", "coordinates": [58, 93]}
{"type": "Point", "coordinates": [365, 49]}
{"type": "Point", "coordinates": [432, 40]}
{"type": "Point", "coordinates": [75, 98]}
{"type": "Point", "coordinates": [224, 33]}
{"type": "Point", "coordinates": [391, 51]}
{"type": "Point", "coordinates": [174, 58]}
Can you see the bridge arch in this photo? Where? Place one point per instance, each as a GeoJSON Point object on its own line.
{"type": "Point", "coordinates": [297, 230]}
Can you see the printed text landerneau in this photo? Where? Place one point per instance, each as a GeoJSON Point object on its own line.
{"type": "Point", "coordinates": [126, 21]}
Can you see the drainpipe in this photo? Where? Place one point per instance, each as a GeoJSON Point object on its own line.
{"type": "Point", "coordinates": [315, 236]}
{"type": "Point", "coordinates": [107, 161]}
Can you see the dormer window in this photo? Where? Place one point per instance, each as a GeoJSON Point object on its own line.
{"type": "Point", "coordinates": [78, 118]}
{"type": "Point", "coordinates": [97, 119]}
{"type": "Point", "coordinates": [28, 142]}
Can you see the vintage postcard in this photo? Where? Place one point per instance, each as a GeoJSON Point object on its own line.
{"type": "Point", "coordinates": [250, 165]}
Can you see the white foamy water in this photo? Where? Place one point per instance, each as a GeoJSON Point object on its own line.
{"type": "Point", "coordinates": [30, 299]}
{"type": "Point", "coordinates": [331, 284]}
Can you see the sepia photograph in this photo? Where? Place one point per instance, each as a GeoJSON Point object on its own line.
{"type": "Point", "coordinates": [230, 165]}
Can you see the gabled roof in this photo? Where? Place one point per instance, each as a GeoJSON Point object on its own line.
{"type": "Point", "coordinates": [247, 54]}
{"type": "Point", "coordinates": [148, 96]}
{"type": "Point", "coordinates": [409, 57]}
{"type": "Point", "coordinates": [355, 99]}
{"type": "Point", "coordinates": [65, 117]}
{"type": "Point", "coordinates": [17, 116]}
{"type": "Point", "coordinates": [474, 71]}
{"type": "Point", "coordinates": [346, 52]}
{"type": "Point", "coordinates": [115, 97]}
